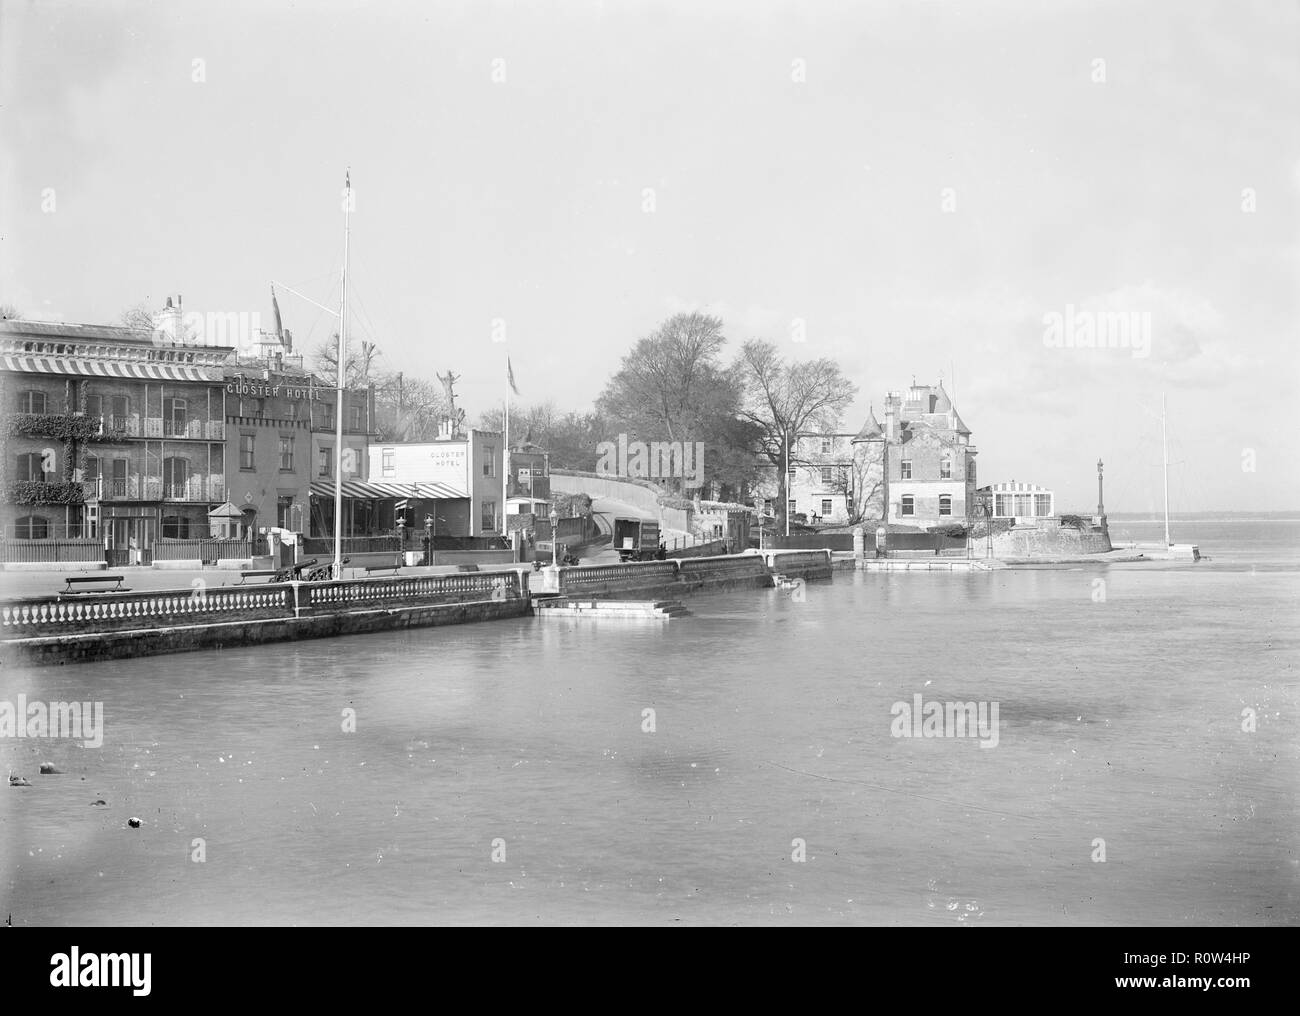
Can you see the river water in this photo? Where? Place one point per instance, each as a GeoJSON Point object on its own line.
{"type": "Point", "coordinates": [503, 772]}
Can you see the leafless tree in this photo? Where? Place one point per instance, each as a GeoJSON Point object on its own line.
{"type": "Point", "coordinates": [784, 400]}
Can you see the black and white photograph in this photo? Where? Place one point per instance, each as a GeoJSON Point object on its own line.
{"type": "Point", "coordinates": [653, 463]}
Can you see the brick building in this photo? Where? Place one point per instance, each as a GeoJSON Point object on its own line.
{"type": "Point", "coordinates": [919, 462]}
{"type": "Point", "coordinates": [110, 434]}
{"type": "Point", "coordinates": [281, 426]}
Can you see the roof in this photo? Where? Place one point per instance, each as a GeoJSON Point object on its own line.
{"type": "Point", "coordinates": [82, 367]}
{"type": "Point", "coordinates": [64, 330]}
{"type": "Point", "coordinates": [871, 429]}
{"type": "Point", "coordinates": [367, 491]}
{"type": "Point", "coordinates": [226, 511]}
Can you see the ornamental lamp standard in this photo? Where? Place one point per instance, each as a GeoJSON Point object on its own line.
{"type": "Point", "coordinates": [428, 539]}
{"type": "Point", "coordinates": [555, 518]}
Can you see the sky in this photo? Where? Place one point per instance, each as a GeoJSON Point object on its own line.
{"type": "Point", "coordinates": [913, 189]}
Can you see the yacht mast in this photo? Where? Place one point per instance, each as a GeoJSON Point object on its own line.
{"type": "Point", "coordinates": [1164, 448]}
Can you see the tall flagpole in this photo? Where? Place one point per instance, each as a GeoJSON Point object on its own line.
{"type": "Point", "coordinates": [338, 398]}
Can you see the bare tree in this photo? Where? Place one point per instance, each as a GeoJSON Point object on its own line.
{"type": "Point", "coordinates": [784, 400]}
{"type": "Point", "coordinates": [408, 408]}
{"type": "Point", "coordinates": [8, 312]}
{"type": "Point", "coordinates": [357, 364]}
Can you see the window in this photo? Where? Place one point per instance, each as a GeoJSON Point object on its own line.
{"type": "Point", "coordinates": [283, 511]}
{"type": "Point", "coordinates": [246, 450]}
{"type": "Point", "coordinates": [174, 417]}
{"type": "Point", "coordinates": [489, 515]}
{"type": "Point", "coordinates": [1024, 505]}
{"type": "Point", "coordinates": [1002, 506]}
{"type": "Point", "coordinates": [356, 417]}
{"type": "Point", "coordinates": [389, 462]}
{"type": "Point", "coordinates": [970, 472]}
{"type": "Point", "coordinates": [119, 484]}
{"type": "Point", "coordinates": [489, 461]}
{"type": "Point", "coordinates": [91, 474]}
{"type": "Point", "coordinates": [286, 454]}
{"type": "Point", "coordinates": [32, 527]}
{"type": "Point", "coordinates": [175, 527]}
{"type": "Point", "coordinates": [827, 476]}
{"type": "Point", "coordinates": [826, 444]}
{"type": "Point", "coordinates": [327, 414]}
{"type": "Point", "coordinates": [176, 476]}
{"type": "Point", "coordinates": [291, 411]}
{"type": "Point", "coordinates": [121, 409]}
{"type": "Point", "coordinates": [94, 405]}
{"type": "Point", "coordinates": [1042, 505]}
{"type": "Point", "coordinates": [945, 467]}
{"type": "Point", "coordinates": [793, 507]}
{"type": "Point", "coordinates": [31, 402]}
{"type": "Point", "coordinates": [905, 469]}
{"type": "Point", "coordinates": [323, 461]}
{"type": "Point", "coordinates": [827, 506]}
{"type": "Point", "coordinates": [945, 504]}
{"type": "Point", "coordinates": [31, 466]}
{"type": "Point", "coordinates": [909, 505]}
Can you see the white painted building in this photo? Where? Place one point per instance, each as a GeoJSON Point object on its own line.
{"type": "Point", "coordinates": [1023, 502]}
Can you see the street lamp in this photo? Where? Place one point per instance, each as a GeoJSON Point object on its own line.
{"type": "Point", "coordinates": [555, 518]}
{"type": "Point", "coordinates": [428, 539]}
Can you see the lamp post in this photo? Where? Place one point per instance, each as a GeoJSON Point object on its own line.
{"type": "Point", "coordinates": [555, 518]}
{"type": "Point", "coordinates": [987, 504]}
{"type": "Point", "coordinates": [428, 539]}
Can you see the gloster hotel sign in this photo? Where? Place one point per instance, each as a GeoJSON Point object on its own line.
{"type": "Point", "coordinates": [258, 388]}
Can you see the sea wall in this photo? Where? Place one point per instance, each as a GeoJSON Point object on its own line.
{"type": "Point", "coordinates": [1032, 541]}
{"type": "Point", "coordinates": [104, 626]}
{"type": "Point", "coordinates": [82, 628]}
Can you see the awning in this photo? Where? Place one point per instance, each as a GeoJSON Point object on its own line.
{"type": "Point", "coordinates": [369, 491]}
{"type": "Point", "coordinates": [143, 371]}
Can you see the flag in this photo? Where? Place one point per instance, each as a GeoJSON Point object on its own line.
{"type": "Point", "coordinates": [510, 375]}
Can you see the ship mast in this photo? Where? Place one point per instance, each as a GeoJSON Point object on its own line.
{"type": "Point", "coordinates": [1164, 448]}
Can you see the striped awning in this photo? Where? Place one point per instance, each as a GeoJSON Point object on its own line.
{"type": "Point", "coordinates": [372, 491]}
{"type": "Point", "coordinates": [143, 370]}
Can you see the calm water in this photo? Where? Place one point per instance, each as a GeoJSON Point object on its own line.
{"type": "Point", "coordinates": [1119, 720]}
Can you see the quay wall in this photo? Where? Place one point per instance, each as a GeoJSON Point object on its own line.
{"type": "Point", "coordinates": [99, 646]}
{"type": "Point", "coordinates": [70, 628]}
{"type": "Point", "coordinates": [1028, 541]}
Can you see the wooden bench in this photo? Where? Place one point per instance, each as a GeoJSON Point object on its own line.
{"type": "Point", "coordinates": [394, 568]}
{"type": "Point", "coordinates": [466, 567]}
{"type": "Point", "coordinates": [258, 573]}
{"type": "Point", "coordinates": [83, 579]}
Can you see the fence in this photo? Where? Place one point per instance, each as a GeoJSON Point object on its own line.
{"type": "Point", "coordinates": [50, 551]}
{"type": "Point", "coordinates": [511, 585]}
{"type": "Point", "coordinates": [39, 616]}
{"type": "Point", "coordinates": [748, 566]}
{"type": "Point", "coordinates": [815, 541]}
{"type": "Point", "coordinates": [315, 545]}
{"type": "Point", "coordinates": [207, 550]}
{"type": "Point", "coordinates": [708, 548]}
{"type": "Point", "coordinates": [589, 575]}
{"type": "Point", "coordinates": [35, 617]}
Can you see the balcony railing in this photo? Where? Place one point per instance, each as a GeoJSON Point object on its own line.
{"type": "Point", "coordinates": [191, 430]}
{"type": "Point", "coordinates": [153, 488]}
